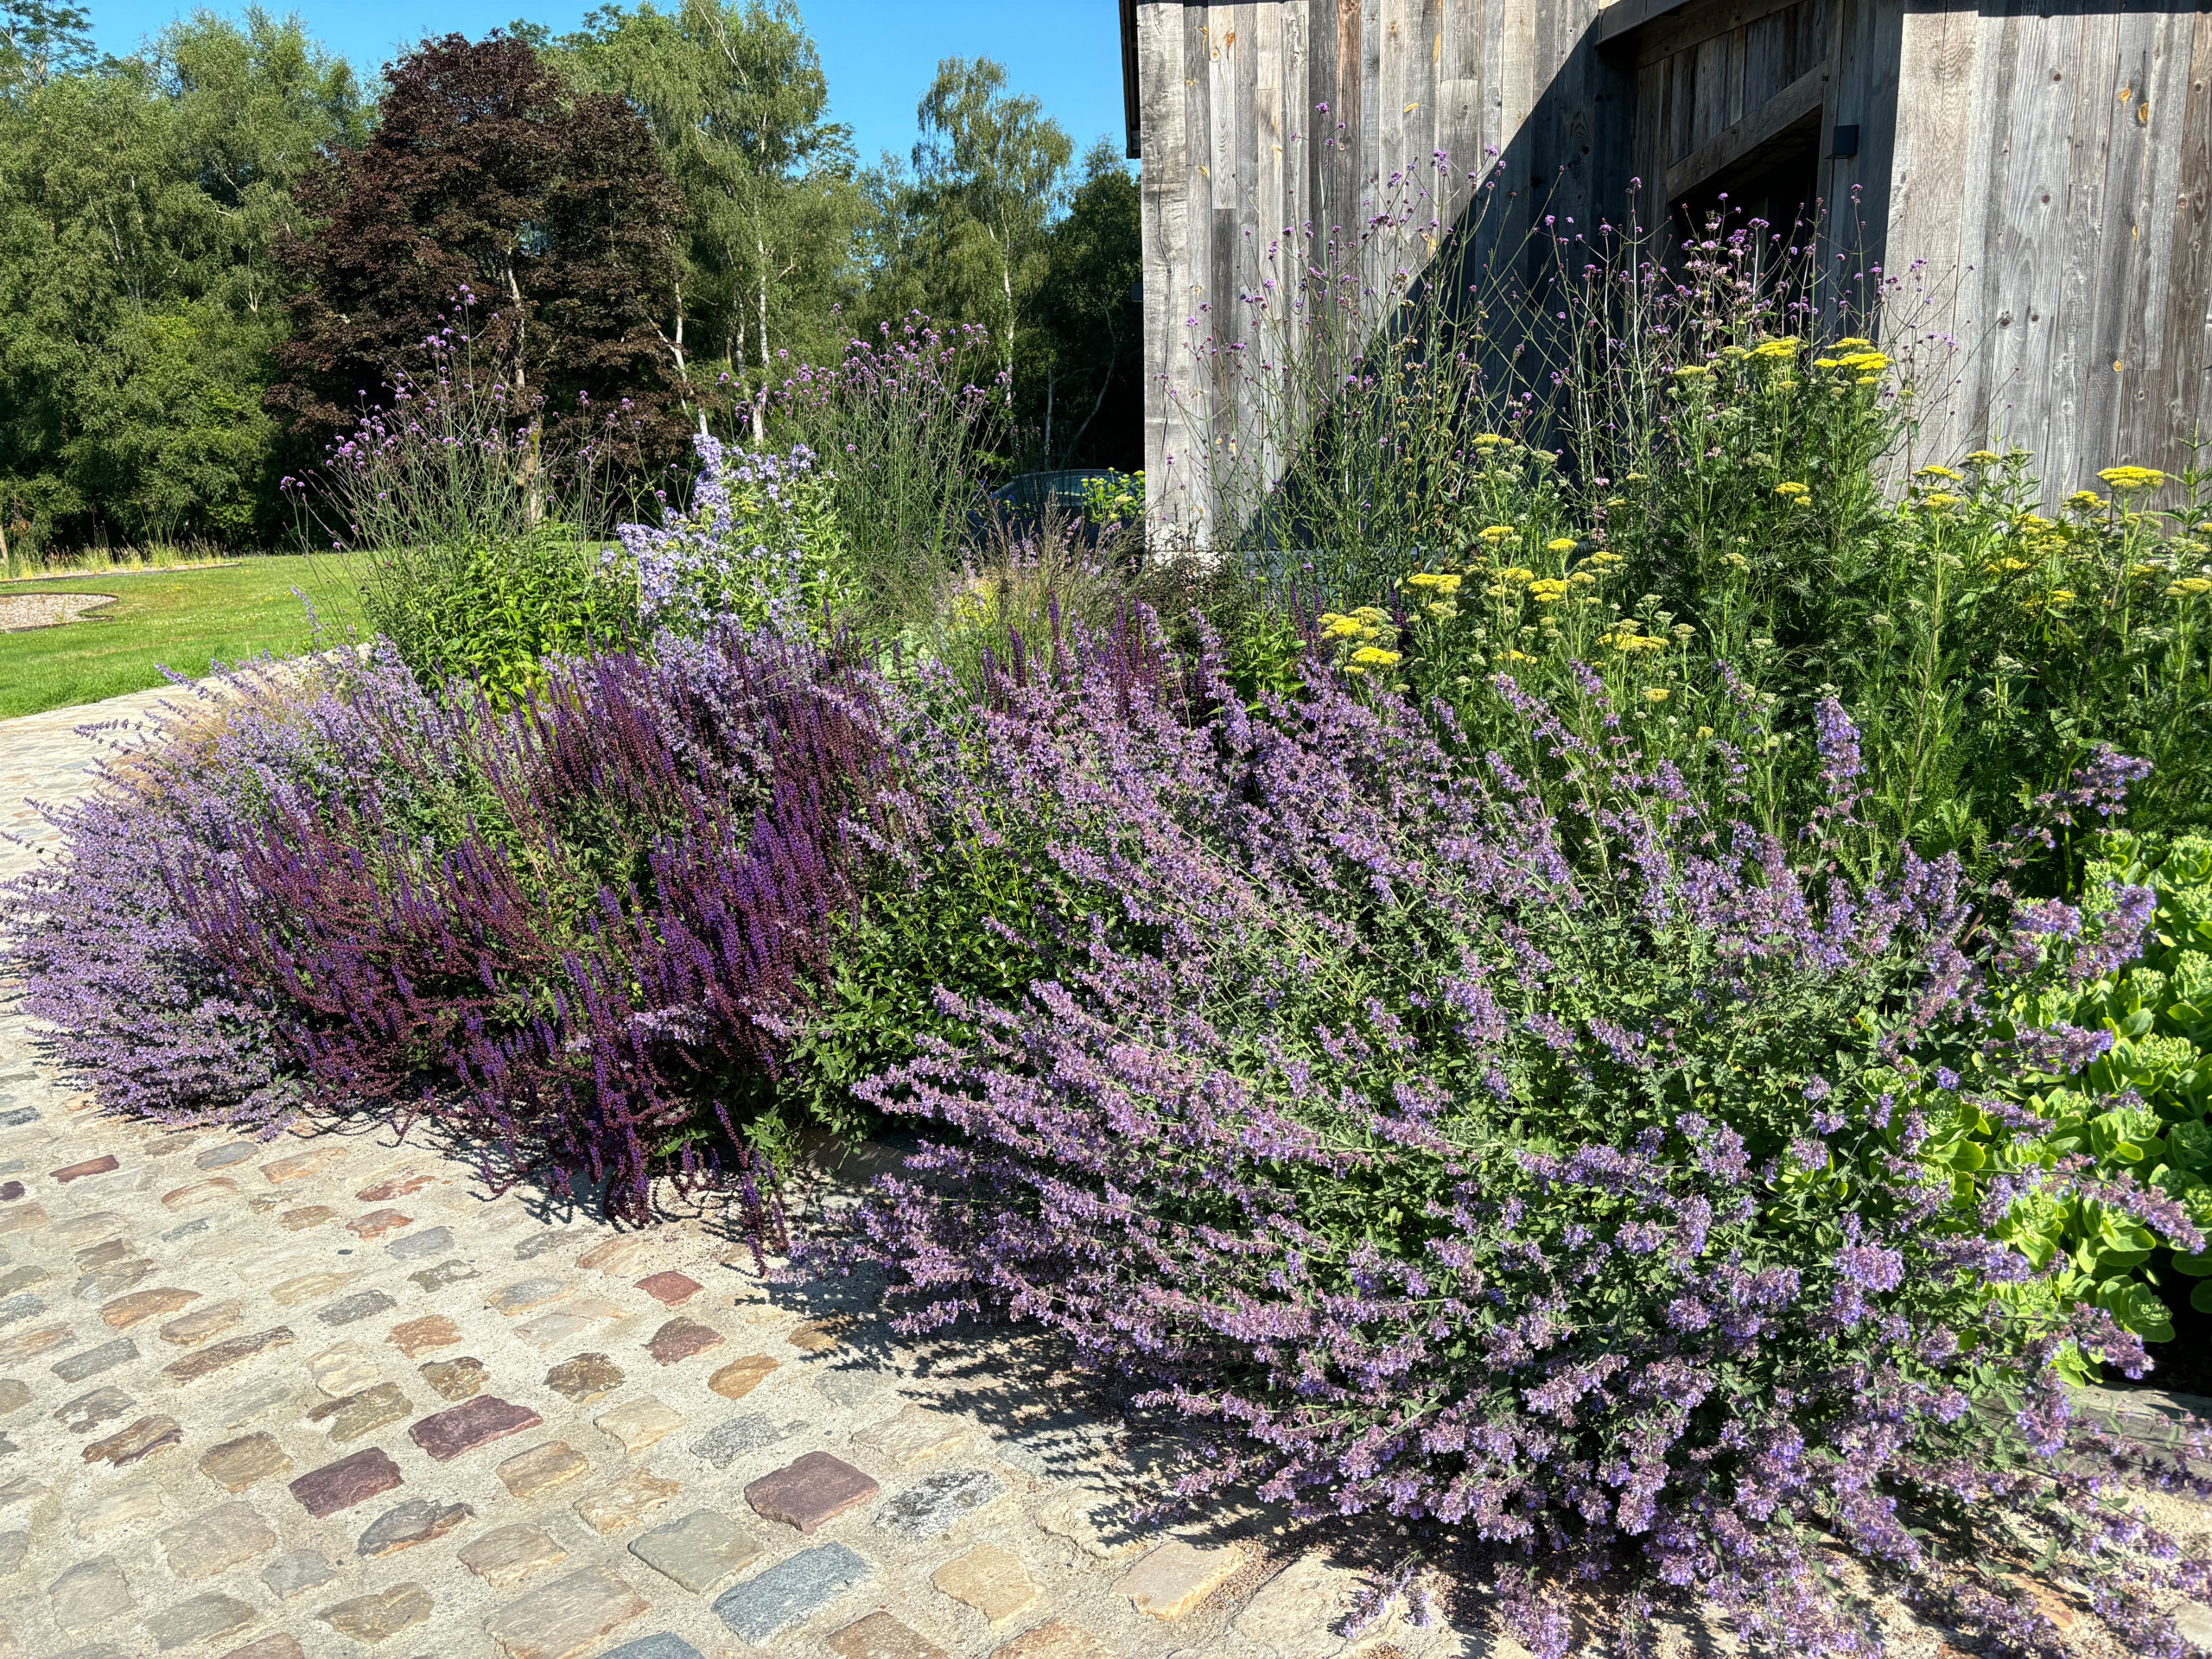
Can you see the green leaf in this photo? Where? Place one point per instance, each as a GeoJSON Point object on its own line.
{"type": "Point", "coordinates": [2201, 1297]}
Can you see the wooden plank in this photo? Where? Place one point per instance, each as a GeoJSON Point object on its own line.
{"type": "Point", "coordinates": [1700, 20]}
{"type": "Point", "coordinates": [1767, 67]}
{"type": "Point", "coordinates": [1161, 61]}
{"type": "Point", "coordinates": [2126, 168]}
{"type": "Point", "coordinates": [2189, 301]}
{"type": "Point", "coordinates": [1795, 101]}
{"type": "Point", "coordinates": [2078, 69]}
{"type": "Point", "coordinates": [2151, 123]}
{"type": "Point", "coordinates": [1625, 16]}
{"type": "Point", "coordinates": [1709, 116]}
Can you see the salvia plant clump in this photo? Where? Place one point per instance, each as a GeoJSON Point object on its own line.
{"type": "Point", "coordinates": [1549, 1177]}
{"type": "Point", "coordinates": [573, 933]}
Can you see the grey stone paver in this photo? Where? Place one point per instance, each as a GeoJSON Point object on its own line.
{"type": "Point", "coordinates": [236, 1465]}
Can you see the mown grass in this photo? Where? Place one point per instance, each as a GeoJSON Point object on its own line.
{"type": "Point", "coordinates": [183, 620]}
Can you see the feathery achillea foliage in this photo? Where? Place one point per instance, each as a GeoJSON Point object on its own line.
{"type": "Point", "coordinates": [1550, 1176]}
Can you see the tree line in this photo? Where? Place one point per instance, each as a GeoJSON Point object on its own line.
{"type": "Point", "coordinates": [218, 253]}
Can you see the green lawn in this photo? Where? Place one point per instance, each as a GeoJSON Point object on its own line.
{"type": "Point", "coordinates": [180, 620]}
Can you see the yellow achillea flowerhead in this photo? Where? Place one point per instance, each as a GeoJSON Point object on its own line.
{"type": "Point", "coordinates": [1939, 501]}
{"type": "Point", "coordinates": [2062, 595]}
{"type": "Point", "coordinates": [1793, 491]}
{"type": "Point", "coordinates": [1487, 440]}
{"type": "Point", "coordinates": [1496, 533]}
{"type": "Point", "coordinates": [1374, 657]}
{"type": "Point", "coordinates": [1987, 458]}
{"type": "Point", "coordinates": [1776, 351]}
{"type": "Point", "coordinates": [2190, 585]}
{"type": "Point", "coordinates": [1628, 640]}
{"type": "Point", "coordinates": [2132, 477]}
{"type": "Point", "coordinates": [1656, 694]}
{"type": "Point", "coordinates": [1515, 573]}
{"type": "Point", "coordinates": [1423, 578]}
{"type": "Point", "coordinates": [1846, 344]}
{"type": "Point", "coordinates": [1370, 613]}
{"type": "Point", "coordinates": [1561, 545]}
{"type": "Point", "coordinates": [2087, 500]}
{"type": "Point", "coordinates": [1692, 371]}
{"type": "Point", "coordinates": [2005, 567]}
{"type": "Point", "coordinates": [1444, 610]}
{"type": "Point", "coordinates": [1606, 559]}
{"type": "Point", "coordinates": [1548, 590]}
{"type": "Point", "coordinates": [1944, 472]}
{"type": "Point", "coordinates": [1341, 627]}
{"type": "Point", "coordinates": [1582, 579]}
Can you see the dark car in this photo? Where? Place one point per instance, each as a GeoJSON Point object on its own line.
{"type": "Point", "coordinates": [1021, 506]}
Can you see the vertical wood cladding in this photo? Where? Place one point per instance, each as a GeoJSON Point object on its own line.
{"type": "Point", "coordinates": [2033, 177]}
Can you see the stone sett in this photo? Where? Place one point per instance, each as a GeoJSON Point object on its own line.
{"type": "Point", "coordinates": [415, 1337]}
{"type": "Point", "coordinates": [352, 1310]}
{"type": "Point", "coordinates": [447, 1434]}
{"type": "Point", "coordinates": [433, 1241]}
{"type": "Point", "coordinates": [1171, 1582]}
{"type": "Point", "coordinates": [585, 1378]}
{"type": "Point", "coordinates": [140, 1501]}
{"type": "Point", "coordinates": [681, 1340]}
{"type": "Point", "coordinates": [341, 1485]}
{"type": "Point", "coordinates": [89, 1594]}
{"type": "Point", "coordinates": [663, 1646]}
{"type": "Point", "coordinates": [204, 1618]}
{"type": "Point", "coordinates": [723, 1444]}
{"type": "Point", "coordinates": [881, 1637]}
{"type": "Point", "coordinates": [512, 1554]}
{"type": "Point", "coordinates": [626, 1503]}
{"type": "Point", "coordinates": [699, 1551]}
{"type": "Point", "coordinates": [276, 1646]}
{"type": "Point", "coordinates": [1056, 1639]}
{"type": "Point", "coordinates": [528, 1473]}
{"type": "Point", "coordinates": [792, 1591]}
{"type": "Point", "coordinates": [142, 1439]}
{"type": "Point", "coordinates": [934, 1505]}
{"type": "Point", "coordinates": [671, 1289]}
{"type": "Point", "coordinates": [561, 1618]}
{"type": "Point", "coordinates": [371, 1618]}
{"type": "Point", "coordinates": [817, 1488]}
{"type": "Point", "coordinates": [639, 1424]}
{"type": "Point", "coordinates": [416, 1521]}
{"type": "Point", "coordinates": [993, 1583]}
{"type": "Point", "coordinates": [456, 1379]}
{"type": "Point", "coordinates": [363, 1414]}
{"type": "Point", "coordinates": [215, 1541]}
{"type": "Point", "coordinates": [296, 1574]}
{"type": "Point", "coordinates": [236, 1465]}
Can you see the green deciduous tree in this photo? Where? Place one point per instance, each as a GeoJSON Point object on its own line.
{"type": "Point", "coordinates": [964, 235]}
{"type": "Point", "coordinates": [139, 202]}
{"type": "Point", "coordinates": [1083, 388]}
{"type": "Point", "coordinates": [740, 111]}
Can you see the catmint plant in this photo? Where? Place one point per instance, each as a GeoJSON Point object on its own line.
{"type": "Point", "coordinates": [1524, 1163]}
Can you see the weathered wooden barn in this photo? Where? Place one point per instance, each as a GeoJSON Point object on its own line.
{"type": "Point", "coordinates": [2044, 166]}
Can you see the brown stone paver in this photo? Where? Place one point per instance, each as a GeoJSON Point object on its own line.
{"type": "Point", "coordinates": [351, 1402]}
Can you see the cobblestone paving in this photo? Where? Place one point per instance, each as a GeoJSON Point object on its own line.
{"type": "Point", "coordinates": [329, 1396]}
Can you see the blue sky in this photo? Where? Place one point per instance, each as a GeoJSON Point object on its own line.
{"type": "Point", "coordinates": [878, 54]}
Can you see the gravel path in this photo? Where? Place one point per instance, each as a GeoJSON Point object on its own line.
{"type": "Point", "coordinates": [330, 1396]}
{"type": "Point", "coordinates": [20, 611]}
